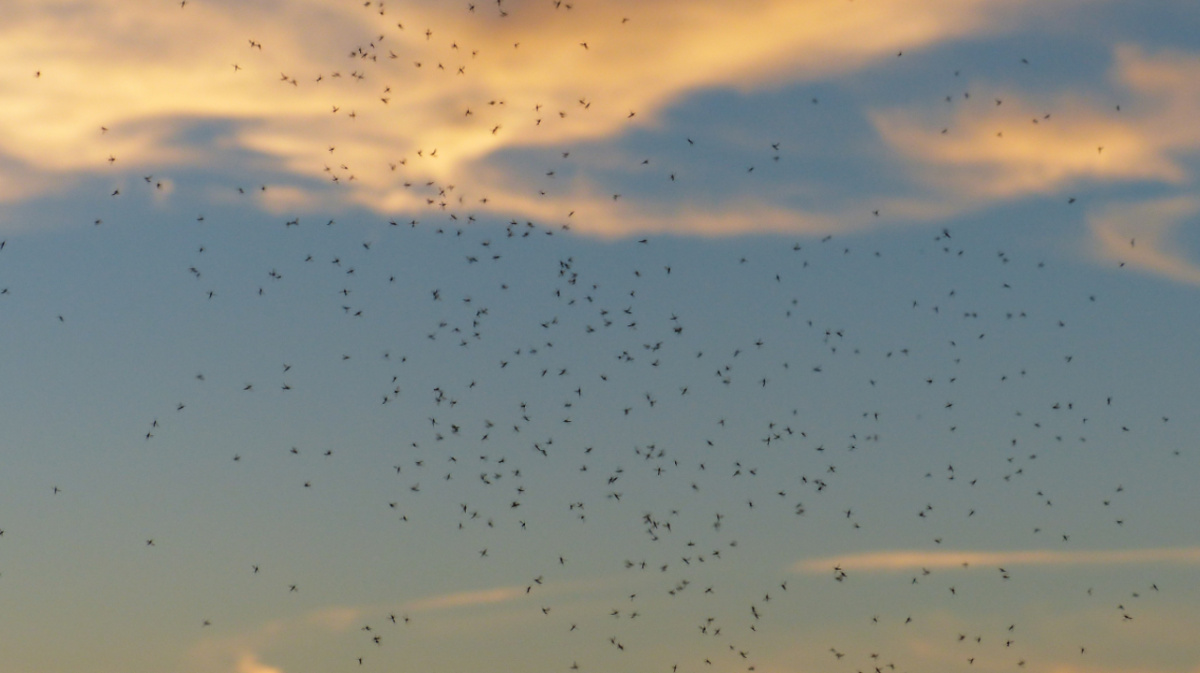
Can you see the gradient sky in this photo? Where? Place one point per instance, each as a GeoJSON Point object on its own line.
{"type": "Point", "coordinates": [784, 336]}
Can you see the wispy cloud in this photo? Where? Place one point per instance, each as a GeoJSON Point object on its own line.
{"type": "Point", "coordinates": [251, 89]}
{"type": "Point", "coordinates": [249, 663]}
{"type": "Point", "coordinates": [1095, 668]}
{"type": "Point", "coordinates": [1003, 145]}
{"type": "Point", "coordinates": [466, 599]}
{"type": "Point", "coordinates": [993, 152]}
{"type": "Point", "coordinates": [245, 650]}
{"type": "Point", "coordinates": [255, 78]}
{"type": "Point", "coordinates": [1138, 235]}
{"type": "Point", "coordinates": [903, 560]}
{"type": "Point", "coordinates": [335, 618]}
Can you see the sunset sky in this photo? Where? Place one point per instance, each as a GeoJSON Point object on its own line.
{"type": "Point", "coordinates": [784, 336]}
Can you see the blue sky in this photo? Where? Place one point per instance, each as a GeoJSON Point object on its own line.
{"type": "Point", "coordinates": [639, 336]}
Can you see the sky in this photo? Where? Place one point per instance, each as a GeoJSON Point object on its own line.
{"type": "Point", "coordinates": [784, 336]}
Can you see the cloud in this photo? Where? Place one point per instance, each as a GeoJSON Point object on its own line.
{"type": "Point", "coordinates": [466, 599]}
{"type": "Point", "coordinates": [605, 217]}
{"type": "Point", "coordinates": [1138, 235]}
{"type": "Point", "coordinates": [241, 651]}
{"type": "Point", "coordinates": [1059, 667]}
{"type": "Point", "coordinates": [249, 663]}
{"type": "Point", "coordinates": [995, 152]}
{"type": "Point", "coordinates": [249, 91]}
{"type": "Point", "coordinates": [251, 88]}
{"type": "Point", "coordinates": [334, 618]}
{"type": "Point", "coordinates": [279, 199]}
{"type": "Point", "coordinates": [1001, 145]}
{"type": "Point", "coordinates": [903, 561]}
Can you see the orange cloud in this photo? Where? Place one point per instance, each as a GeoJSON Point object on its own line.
{"type": "Point", "coordinates": [249, 663]}
{"type": "Point", "coordinates": [992, 152]}
{"type": "Point", "coordinates": [348, 103]}
{"type": "Point", "coordinates": [1093, 668]}
{"type": "Point", "coordinates": [1001, 145]}
{"type": "Point", "coordinates": [901, 560]}
{"type": "Point", "coordinates": [1138, 236]}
